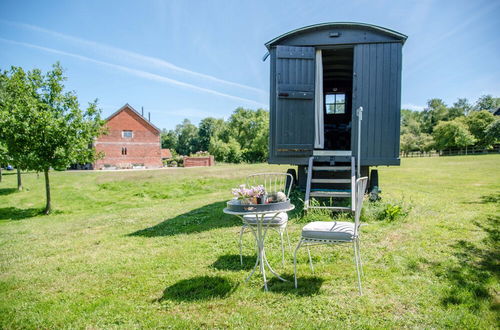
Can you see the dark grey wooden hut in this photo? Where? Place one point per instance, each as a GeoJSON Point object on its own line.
{"type": "Point", "coordinates": [360, 67]}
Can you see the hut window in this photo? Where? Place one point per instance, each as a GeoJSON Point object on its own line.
{"type": "Point", "coordinates": [335, 104]}
{"type": "Point", "coordinates": [127, 134]}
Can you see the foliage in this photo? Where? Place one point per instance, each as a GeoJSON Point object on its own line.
{"type": "Point", "coordinates": [228, 152]}
{"type": "Point", "coordinates": [207, 129]}
{"type": "Point", "coordinates": [200, 154]}
{"type": "Point", "coordinates": [169, 139]}
{"type": "Point", "coordinates": [477, 122]}
{"type": "Point", "coordinates": [452, 134]}
{"type": "Point", "coordinates": [388, 211]}
{"type": "Point", "coordinates": [43, 126]}
{"type": "Point", "coordinates": [492, 132]}
{"type": "Point", "coordinates": [488, 103]}
{"type": "Point", "coordinates": [187, 135]}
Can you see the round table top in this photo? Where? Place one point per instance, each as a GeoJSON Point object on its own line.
{"type": "Point", "coordinates": [285, 209]}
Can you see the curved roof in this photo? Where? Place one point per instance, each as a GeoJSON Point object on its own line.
{"type": "Point", "coordinates": [329, 25]}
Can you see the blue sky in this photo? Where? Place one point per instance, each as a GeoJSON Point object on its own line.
{"type": "Point", "coordinates": [193, 59]}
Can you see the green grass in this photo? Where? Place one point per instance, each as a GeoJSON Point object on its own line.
{"type": "Point", "coordinates": [153, 249]}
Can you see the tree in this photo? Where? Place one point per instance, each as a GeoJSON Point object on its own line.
{"type": "Point", "coordinates": [492, 132]}
{"type": "Point", "coordinates": [51, 127]}
{"type": "Point", "coordinates": [460, 108]}
{"type": "Point", "coordinates": [250, 128]}
{"type": "Point", "coordinates": [435, 112]}
{"type": "Point", "coordinates": [450, 134]}
{"type": "Point", "coordinates": [187, 134]}
{"type": "Point", "coordinates": [4, 158]}
{"type": "Point", "coordinates": [229, 152]}
{"type": "Point", "coordinates": [169, 139]}
{"type": "Point", "coordinates": [488, 103]}
{"type": "Point", "coordinates": [209, 127]}
{"type": "Point", "coordinates": [477, 123]}
{"type": "Point", "coordinates": [408, 142]}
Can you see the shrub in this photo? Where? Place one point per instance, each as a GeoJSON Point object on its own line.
{"type": "Point", "coordinates": [386, 211]}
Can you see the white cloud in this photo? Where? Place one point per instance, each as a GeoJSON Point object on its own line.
{"type": "Point", "coordinates": [413, 107]}
{"type": "Point", "coordinates": [131, 56]}
{"type": "Point", "coordinates": [135, 72]}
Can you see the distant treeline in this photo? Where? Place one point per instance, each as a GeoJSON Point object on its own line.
{"type": "Point", "coordinates": [244, 136]}
{"type": "Point", "coordinates": [440, 127]}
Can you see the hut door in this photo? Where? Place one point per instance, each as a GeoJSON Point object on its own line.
{"type": "Point", "coordinates": [294, 134]}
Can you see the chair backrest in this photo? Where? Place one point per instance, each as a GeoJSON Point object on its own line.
{"type": "Point", "coordinates": [359, 195]}
{"type": "Point", "coordinates": [272, 182]}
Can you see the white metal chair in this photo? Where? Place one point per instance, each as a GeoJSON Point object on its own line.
{"type": "Point", "coordinates": [336, 232]}
{"type": "Point", "coordinates": [273, 183]}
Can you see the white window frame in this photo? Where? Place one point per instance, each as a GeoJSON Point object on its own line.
{"type": "Point", "coordinates": [127, 137]}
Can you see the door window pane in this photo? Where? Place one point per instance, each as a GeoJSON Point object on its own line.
{"type": "Point", "coordinates": [335, 104]}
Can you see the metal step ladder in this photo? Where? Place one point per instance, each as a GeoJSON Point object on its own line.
{"type": "Point", "coordinates": [312, 191]}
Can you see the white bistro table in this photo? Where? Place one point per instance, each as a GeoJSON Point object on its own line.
{"type": "Point", "coordinates": [259, 230]}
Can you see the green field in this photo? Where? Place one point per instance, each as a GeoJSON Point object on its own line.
{"type": "Point", "coordinates": [153, 249]}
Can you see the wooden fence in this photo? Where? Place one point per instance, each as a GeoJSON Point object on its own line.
{"type": "Point", "coordinates": [452, 152]}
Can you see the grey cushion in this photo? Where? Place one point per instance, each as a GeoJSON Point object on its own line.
{"type": "Point", "coordinates": [278, 220]}
{"type": "Point", "coordinates": [334, 230]}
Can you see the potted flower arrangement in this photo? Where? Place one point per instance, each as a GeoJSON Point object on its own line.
{"type": "Point", "coordinates": [251, 195]}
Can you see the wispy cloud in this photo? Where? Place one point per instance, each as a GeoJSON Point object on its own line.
{"type": "Point", "coordinates": [135, 72]}
{"type": "Point", "coordinates": [131, 56]}
{"type": "Point", "coordinates": [413, 107]}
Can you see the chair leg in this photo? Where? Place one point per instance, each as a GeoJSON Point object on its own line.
{"type": "Point", "coordinates": [295, 263]}
{"type": "Point", "coordinates": [310, 260]}
{"type": "Point", "coordinates": [359, 257]}
{"type": "Point", "coordinates": [282, 248]}
{"type": "Point", "coordinates": [288, 238]}
{"type": "Point", "coordinates": [357, 267]}
{"type": "Point", "coordinates": [241, 244]}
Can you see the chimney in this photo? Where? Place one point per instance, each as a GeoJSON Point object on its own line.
{"type": "Point", "coordinates": [149, 116]}
{"type": "Point", "coordinates": [142, 111]}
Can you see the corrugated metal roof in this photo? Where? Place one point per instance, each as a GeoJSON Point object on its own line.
{"type": "Point", "coordinates": [329, 25]}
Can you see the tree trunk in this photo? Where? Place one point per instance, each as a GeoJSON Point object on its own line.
{"type": "Point", "coordinates": [0, 173]}
{"type": "Point", "coordinates": [47, 192]}
{"type": "Point", "coordinates": [19, 182]}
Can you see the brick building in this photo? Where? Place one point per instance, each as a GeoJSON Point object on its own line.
{"type": "Point", "coordinates": [131, 142]}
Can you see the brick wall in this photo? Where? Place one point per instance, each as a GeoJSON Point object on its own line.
{"type": "Point", "coordinates": [143, 148]}
{"type": "Point", "coordinates": [199, 161]}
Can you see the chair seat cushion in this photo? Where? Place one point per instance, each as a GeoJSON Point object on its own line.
{"type": "Point", "coordinates": [278, 220]}
{"type": "Point", "coordinates": [334, 230]}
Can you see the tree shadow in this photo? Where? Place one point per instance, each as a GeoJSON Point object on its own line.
{"type": "Point", "coordinates": [477, 267]}
{"type": "Point", "coordinates": [195, 221]}
{"type": "Point", "coordinates": [13, 213]}
{"type": "Point", "coordinates": [493, 198]}
{"type": "Point", "coordinates": [199, 288]}
{"type": "Point", "coordinates": [232, 262]}
{"type": "Point", "coordinates": [306, 285]}
{"type": "Point", "coordinates": [7, 191]}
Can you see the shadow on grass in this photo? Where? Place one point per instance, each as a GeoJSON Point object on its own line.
{"type": "Point", "coordinates": [198, 220]}
{"type": "Point", "coordinates": [199, 288]}
{"type": "Point", "coordinates": [477, 268]}
{"type": "Point", "coordinates": [7, 191]}
{"type": "Point", "coordinates": [493, 198]}
{"type": "Point", "coordinates": [232, 262]}
{"type": "Point", "coordinates": [13, 213]}
{"type": "Point", "coordinates": [306, 285]}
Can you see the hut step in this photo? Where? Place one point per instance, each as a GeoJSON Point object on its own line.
{"type": "Point", "coordinates": [330, 194]}
{"type": "Point", "coordinates": [331, 168]}
{"type": "Point", "coordinates": [330, 180]}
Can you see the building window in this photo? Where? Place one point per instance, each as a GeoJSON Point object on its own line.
{"type": "Point", "coordinates": [335, 104]}
{"type": "Point", "coordinates": [124, 151]}
{"type": "Point", "coordinates": [127, 134]}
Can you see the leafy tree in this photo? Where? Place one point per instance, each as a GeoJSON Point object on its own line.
{"type": "Point", "coordinates": [4, 157]}
{"type": "Point", "coordinates": [492, 132]}
{"type": "Point", "coordinates": [408, 142]}
{"type": "Point", "coordinates": [169, 139]}
{"type": "Point", "coordinates": [460, 108]}
{"type": "Point", "coordinates": [488, 103]}
{"type": "Point", "coordinates": [477, 123]}
{"type": "Point", "coordinates": [250, 128]}
{"type": "Point", "coordinates": [229, 152]}
{"type": "Point", "coordinates": [187, 134]}
{"type": "Point", "coordinates": [209, 127]}
{"type": "Point", "coordinates": [50, 127]}
{"type": "Point", "coordinates": [435, 112]}
{"type": "Point", "coordinates": [450, 134]}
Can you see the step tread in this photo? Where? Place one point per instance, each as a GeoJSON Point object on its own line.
{"type": "Point", "coordinates": [331, 180]}
{"type": "Point", "coordinates": [335, 208]}
{"type": "Point", "coordinates": [319, 193]}
{"type": "Point", "coordinates": [331, 168]}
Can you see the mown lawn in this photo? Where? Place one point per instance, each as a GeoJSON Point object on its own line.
{"type": "Point", "coordinates": [153, 249]}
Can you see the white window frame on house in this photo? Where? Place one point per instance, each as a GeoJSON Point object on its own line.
{"type": "Point", "coordinates": [125, 134]}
